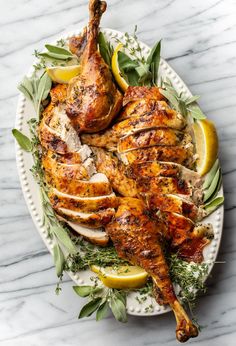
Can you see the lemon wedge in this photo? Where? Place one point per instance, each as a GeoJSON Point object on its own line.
{"type": "Point", "coordinates": [122, 276]}
{"type": "Point", "coordinates": [116, 69]}
{"type": "Point", "coordinates": [63, 74]}
{"type": "Point", "coordinates": [206, 140]}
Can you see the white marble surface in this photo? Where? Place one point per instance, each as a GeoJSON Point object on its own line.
{"type": "Point", "coordinates": [199, 42]}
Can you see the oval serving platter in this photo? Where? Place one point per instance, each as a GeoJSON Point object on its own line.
{"type": "Point", "coordinates": [31, 191]}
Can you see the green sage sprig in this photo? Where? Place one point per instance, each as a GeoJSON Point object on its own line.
{"type": "Point", "coordinates": [57, 53]}
{"type": "Point", "coordinates": [187, 106]}
{"type": "Point", "coordinates": [211, 186]}
{"type": "Point", "coordinates": [105, 48]}
{"type": "Point", "coordinates": [36, 90]}
{"type": "Point", "coordinates": [102, 298]}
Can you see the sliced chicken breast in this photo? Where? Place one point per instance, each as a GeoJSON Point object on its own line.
{"type": "Point", "coordinates": [164, 169]}
{"type": "Point", "coordinates": [95, 236]}
{"type": "Point", "coordinates": [183, 156]}
{"type": "Point", "coordinates": [162, 117]}
{"type": "Point", "coordinates": [91, 220]}
{"type": "Point", "coordinates": [149, 138]}
{"type": "Point", "coordinates": [98, 185]}
{"type": "Point", "coordinates": [114, 169]}
{"type": "Point", "coordinates": [82, 204]}
{"type": "Point", "coordinates": [175, 204]}
{"type": "Point", "coordinates": [56, 132]}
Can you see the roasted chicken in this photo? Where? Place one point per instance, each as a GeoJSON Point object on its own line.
{"type": "Point", "coordinates": [93, 99]}
{"type": "Point", "coordinates": [136, 238]}
{"type": "Point", "coordinates": [133, 182]}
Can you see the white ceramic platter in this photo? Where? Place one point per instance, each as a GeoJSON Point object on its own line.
{"type": "Point", "coordinates": [31, 192]}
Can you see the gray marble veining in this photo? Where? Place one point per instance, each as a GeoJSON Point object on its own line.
{"type": "Point", "coordinates": [199, 41]}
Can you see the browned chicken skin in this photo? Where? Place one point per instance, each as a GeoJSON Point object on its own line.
{"type": "Point", "coordinates": [136, 238]}
{"type": "Point", "coordinates": [92, 98]}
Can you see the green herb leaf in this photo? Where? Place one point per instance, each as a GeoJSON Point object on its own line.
{"type": "Point", "coordinates": [118, 309]}
{"type": "Point", "coordinates": [83, 291]}
{"type": "Point", "coordinates": [191, 99]}
{"type": "Point", "coordinates": [210, 191]}
{"type": "Point", "coordinates": [211, 174]}
{"type": "Point", "coordinates": [56, 56]}
{"type": "Point", "coordinates": [196, 112]}
{"type": "Point", "coordinates": [59, 259]}
{"type": "Point", "coordinates": [154, 60]}
{"type": "Point", "coordinates": [64, 238]}
{"type": "Point", "coordinates": [102, 311]}
{"type": "Point", "coordinates": [23, 141]}
{"type": "Point", "coordinates": [58, 50]}
{"type": "Point", "coordinates": [105, 48]}
{"type": "Point", "coordinates": [213, 205]}
{"type": "Point", "coordinates": [127, 67]}
{"type": "Point", "coordinates": [88, 309]}
{"type": "Point", "coordinates": [44, 87]}
{"type": "Point", "coordinates": [170, 97]}
{"type": "Point", "coordinates": [126, 63]}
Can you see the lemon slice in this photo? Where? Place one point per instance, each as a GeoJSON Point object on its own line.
{"type": "Point", "coordinates": [206, 140]}
{"type": "Point", "coordinates": [116, 69]}
{"type": "Point", "coordinates": [122, 276]}
{"type": "Point", "coordinates": [63, 74]}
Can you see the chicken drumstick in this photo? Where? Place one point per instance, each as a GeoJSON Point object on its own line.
{"type": "Point", "coordinates": [92, 98]}
{"type": "Point", "coordinates": [136, 238]}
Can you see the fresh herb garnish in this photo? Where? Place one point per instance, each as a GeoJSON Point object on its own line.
{"type": "Point", "coordinates": [23, 141]}
{"type": "Point", "coordinates": [105, 48]}
{"type": "Point", "coordinates": [58, 53]}
{"type": "Point", "coordinates": [187, 106]}
{"type": "Point", "coordinates": [36, 90]}
{"type": "Point", "coordinates": [102, 298]}
{"type": "Point", "coordinates": [190, 277]}
{"type": "Point", "coordinates": [89, 254]}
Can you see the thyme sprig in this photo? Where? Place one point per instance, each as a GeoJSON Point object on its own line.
{"type": "Point", "coordinates": [190, 277]}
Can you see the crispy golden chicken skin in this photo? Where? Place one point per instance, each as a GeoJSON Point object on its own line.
{"type": "Point", "coordinates": [92, 97]}
{"type": "Point", "coordinates": [136, 238]}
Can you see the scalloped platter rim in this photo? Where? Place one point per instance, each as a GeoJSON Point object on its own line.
{"type": "Point", "coordinates": [32, 196]}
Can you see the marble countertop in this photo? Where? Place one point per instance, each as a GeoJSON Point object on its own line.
{"type": "Point", "coordinates": [199, 42]}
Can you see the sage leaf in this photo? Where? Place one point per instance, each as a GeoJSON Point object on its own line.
{"type": "Point", "coordinates": [23, 141]}
{"type": "Point", "coordinates": [121, 295]}
{"type": "Point", "coordinates": [214, 204]}
{"type": "Point", "coordinates": [154, 61]}
{"type": "Point", "coordinates": [64, 238]}
{"type": "Point", "coordinates": [83, 291]}
{"type": "Point", "coordinates": [118, 309]}
{"type": "Point", "coordinates": [192, 99]}
{"type": "Point", "coordinates": [58, 50]}
{"type": "Point", "coordinates": [126, 63]}
{"type": "Point", "coordinates": [211, 174]}
{"type": "Point", "coordinates": [182, 108]}
{"type": "Point", "coordinates": [215, 193]}
{"type": "Point", "coordinates": [56, 56]}
{"type": "Point", "coordinates": [59, 259]}
{"type": "Point", "coordinates": [170, 97]}
{"type": "Point", "coordinates": [209, 192]}
{"type": "Point", "coordinates": [105, 49]}
{"type": "Point", "coordinates": [196, 112]}
{"type": "Point", "coordinates": [44, 87]}
{"type": "Point", "coordinates": [88, 309]}
{"type": "Point", "coordinates": [102, 311]}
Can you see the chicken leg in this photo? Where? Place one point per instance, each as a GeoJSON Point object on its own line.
{"type": "Point", "coordinates": [135, 236]}
{"type": "Point", "coordinates": [92, 97]}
